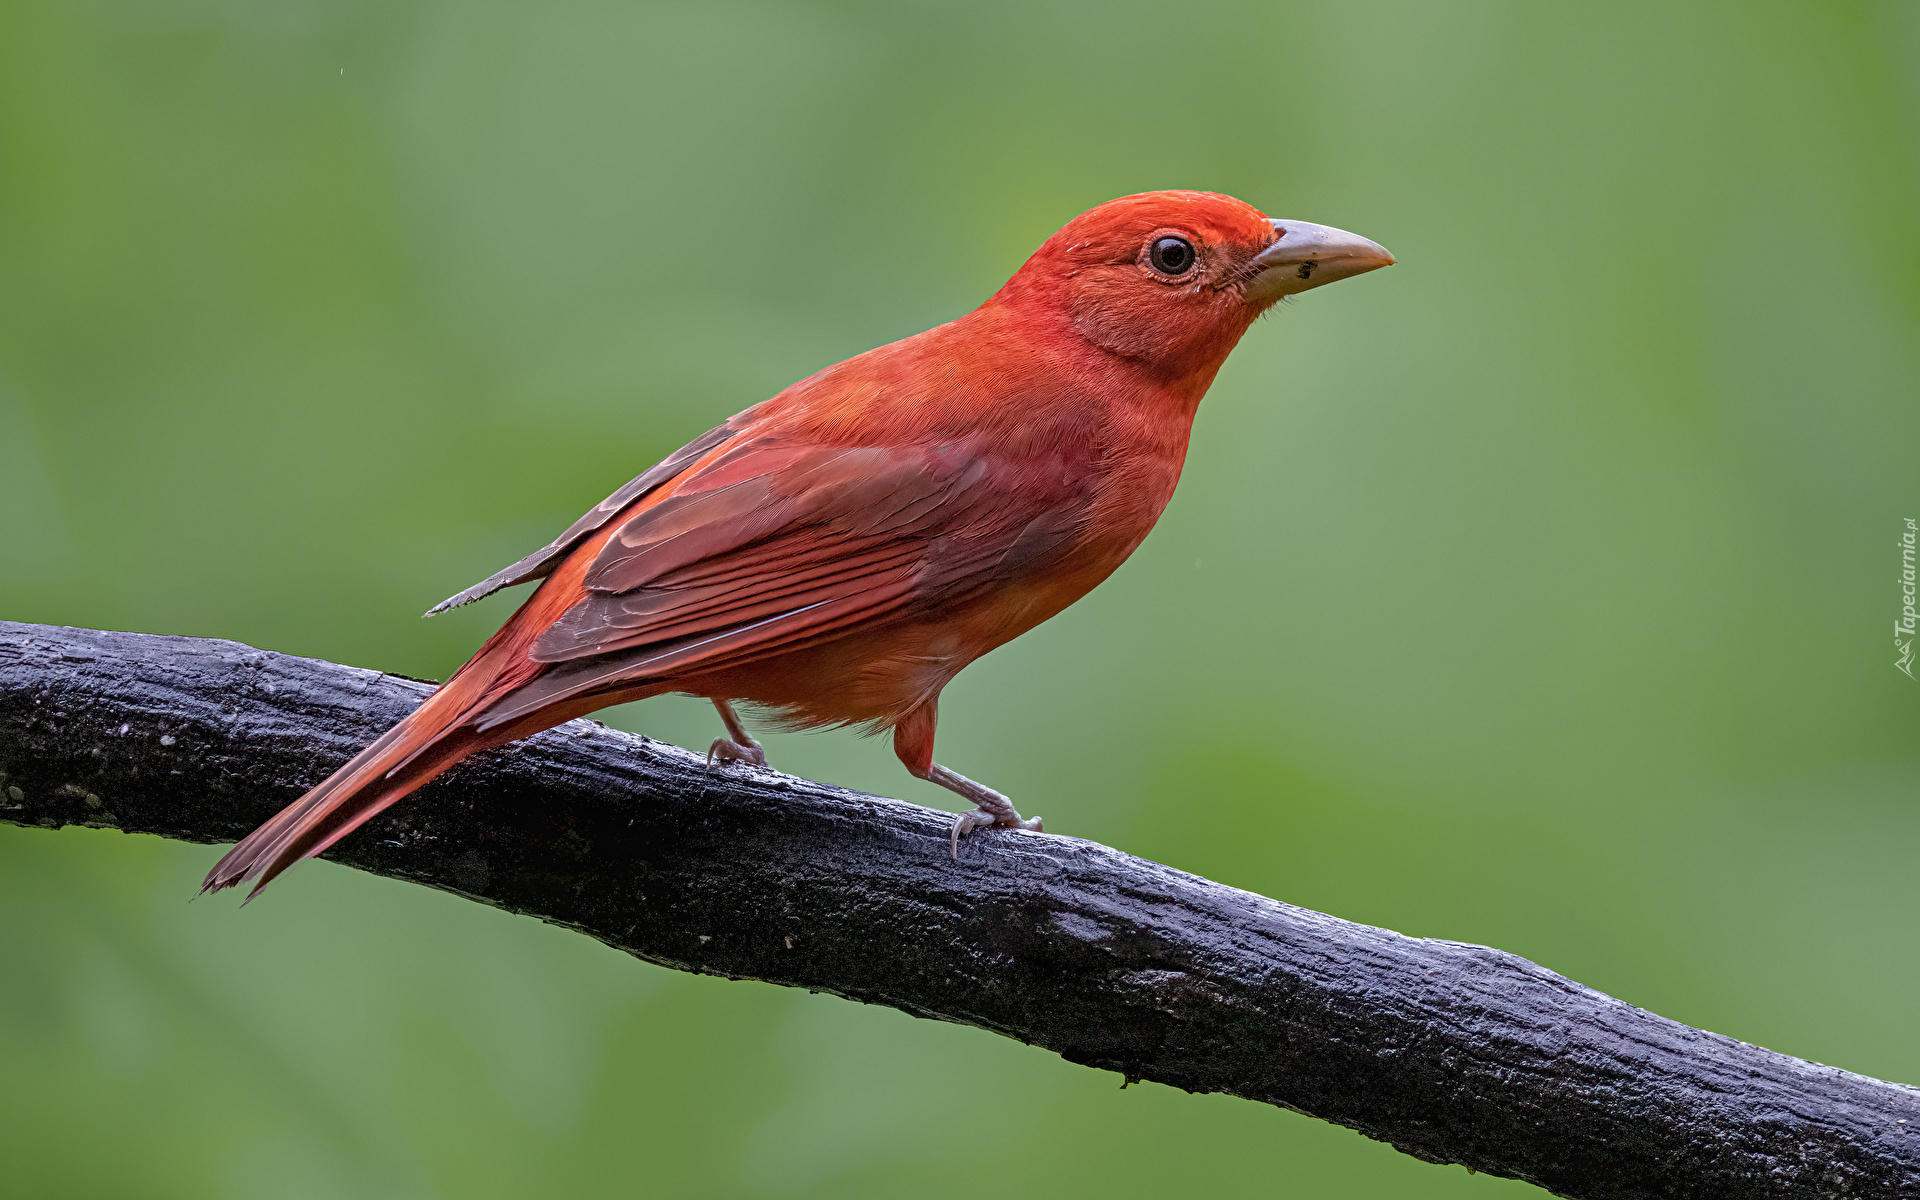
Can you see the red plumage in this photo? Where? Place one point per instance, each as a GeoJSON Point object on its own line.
{"type": "Point", "coordinates": [838, 553]}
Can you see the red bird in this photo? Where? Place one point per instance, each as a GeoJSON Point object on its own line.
{"type": "Point", "coordinates": [837, 554]}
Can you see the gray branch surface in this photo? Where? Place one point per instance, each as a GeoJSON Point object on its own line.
{"type": "Point", "coordinates": [1453, 1053]}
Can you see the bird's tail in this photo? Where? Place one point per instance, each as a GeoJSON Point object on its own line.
{"type": "Point", "coordinates": [486, 703]}
{"type": "Point", "coordinates": [399, 761]}
{"type": "Point", "coordinates": [432, 738]}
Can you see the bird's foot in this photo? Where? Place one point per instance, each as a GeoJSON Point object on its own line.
{"type": "Point", "coordinates": [724, 751]}
{"type": "Point", "coordinates": [738, 745]}
{"type": "Point", "coordinates": [990, 807]}
{"type": "Point", "coordinates": [980, 818]}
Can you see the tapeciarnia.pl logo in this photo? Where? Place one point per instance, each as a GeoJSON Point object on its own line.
{"type": "Point", "coordinates": [1903, 625]}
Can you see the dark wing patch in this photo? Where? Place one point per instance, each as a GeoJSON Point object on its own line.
{"type": "Point", "coordinates": [542, 561]}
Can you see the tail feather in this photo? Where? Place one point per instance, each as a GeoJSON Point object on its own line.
{"type": "Point", "coordinates": [396, 764]}
{"type": "Point", "coordinates": [453, 724]}
{"type": "Point", "coordinates": [400, 761]}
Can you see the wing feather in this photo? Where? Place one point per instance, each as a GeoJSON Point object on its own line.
{"type": "Point", "coordinates": [773, 545]}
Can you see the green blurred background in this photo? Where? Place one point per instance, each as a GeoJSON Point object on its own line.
{"type": "Point", "coordinates": [1536, 592]}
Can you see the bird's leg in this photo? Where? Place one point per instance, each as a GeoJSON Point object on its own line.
{"type": "Point", "coordinates": [738, 745]}
{"type": "Point", "coordinates": [913, 742]}
{"type": "Point", "coordinates": [990, 807]}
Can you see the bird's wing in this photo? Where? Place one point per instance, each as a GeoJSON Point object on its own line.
{"type": "Point", "coordinates": [541, 562]}
{"type": "Point", "coordinates": [778, 544]}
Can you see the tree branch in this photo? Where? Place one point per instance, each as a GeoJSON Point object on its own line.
{"type": "Point", "coordinates": [1453, 1053]}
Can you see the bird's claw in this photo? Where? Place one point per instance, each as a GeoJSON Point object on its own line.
{"type": "Point", "coordinates": [980, 818]}
{"type": "Point", "coordinates": [723, 752]}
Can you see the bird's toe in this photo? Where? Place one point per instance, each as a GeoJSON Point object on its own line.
{"type": "Point", "coordinates": [723, 752]}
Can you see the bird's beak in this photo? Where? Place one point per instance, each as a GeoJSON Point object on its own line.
{"type": "Point", "coordinates": [1305, 256]}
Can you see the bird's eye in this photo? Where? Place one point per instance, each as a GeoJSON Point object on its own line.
{"type": "Point", "coordinates": [1171, 256]}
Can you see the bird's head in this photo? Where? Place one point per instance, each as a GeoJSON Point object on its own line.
{"type": "Point", "coordinates": [1172, 279]}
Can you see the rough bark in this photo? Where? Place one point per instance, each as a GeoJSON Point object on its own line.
{"type": "Point", "coordinates": [1453, 1053]}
